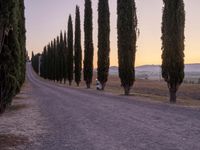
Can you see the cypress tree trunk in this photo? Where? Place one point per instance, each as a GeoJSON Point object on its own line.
{"type": "Point", "coordinates": [103, 42]}
{"type": "Point", "coordinates": [173, 26]}
{"type": "Point", "coordinates": [172, 92]}
{"type": "Point", "coordinates": [127, 28]}
{"type": "Point", "coordinates": [88, 43]}
{"type": "Point", "coordinates": [127, 90]}
{"type": "Point", "coordinates": [70, 51]}
{"type": "Point", "coordinates": [78, 50]}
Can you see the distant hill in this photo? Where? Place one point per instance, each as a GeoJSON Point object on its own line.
{"type": "Point", "coordinates": [157, 68]}
{"type": "Point", "coordinates": [192, 71]}
{"type": "Point", "coordinates": [192, 68]}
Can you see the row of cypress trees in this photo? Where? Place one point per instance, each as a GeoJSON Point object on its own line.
{"type": "Point", "coordinates": [62, 55]}
{"type": "Point", "coordinates": [173, 26]}
{"type": "Point", "coordinates": [172, 44]}
{"type": "Point", "coordinates": [12, 50]}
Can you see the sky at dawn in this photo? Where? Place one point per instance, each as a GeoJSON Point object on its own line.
{"type": "Point", "coordinates": [46, 18]}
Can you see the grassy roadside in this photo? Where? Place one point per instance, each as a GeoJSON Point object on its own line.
{"type": "Point", "coordinates": [157, 91]}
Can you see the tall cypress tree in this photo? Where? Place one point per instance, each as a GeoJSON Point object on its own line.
{"type": "Point", "coordinates": [88, 44]}
{"type": "Point", "coordinates": [42, 65]}
{"type": "Point", "coordinates": [22, 40]}
{"type": "Point", "coordinates": [15, 49]}
{"type": "Point", "coordinates": [70, 50]}
{"type": "Point", "coordinates": [61, 57]}
{"type": "Point", "coordinates": [57, 60]}
{"type": "Point", "coordinates": [12, 46]}
{"type": "Point", "coordinates": [44, 62]}
{"type": "Point", "coordinates": [32, 55]}
{"type": "Point", "coordinates": [173, 26]}
{"type": "Point", "coordinates": [127, 27]}
{"type": "Point", "coordinates": [6, 9]}
{"type": "Point", "coordinates": [77, 47]}
{"type": "Point", "coordinates": [48, 61]}
{"type": "Point", "coordinates": [54, 60]}
{"type": "Point", "coordinates": [51, 60]}
{"type": "Point", "coordinates": [35, 63]}
{"type": "Point", "coordinates": [65, 71]}
{"type": "Point", "coordinates": [103, 41]}
{"type": "Point", "coordinates": [60, 65]}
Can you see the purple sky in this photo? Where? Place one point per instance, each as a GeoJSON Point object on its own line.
{"type": "Point", "coordinates": [45, 19]}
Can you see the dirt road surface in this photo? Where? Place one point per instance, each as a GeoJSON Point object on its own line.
{"type": "Point", "coordinates": [82, 119]}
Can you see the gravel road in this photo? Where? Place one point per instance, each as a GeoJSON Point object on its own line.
{"type": "Point", "coordinates": [81, 119]}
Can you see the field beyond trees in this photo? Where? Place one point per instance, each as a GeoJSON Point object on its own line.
{"type": "Point", "coordinates": [154, 90]}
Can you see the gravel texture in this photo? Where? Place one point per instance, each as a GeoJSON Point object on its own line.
{"type": "Point", "coordinates": [82, 119]}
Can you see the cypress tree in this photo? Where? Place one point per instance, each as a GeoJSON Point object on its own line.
{"type": "Point", "coordinates": [88, 44]}
{"type": "Point", "coordinates": [54, 60]}
{"type": "Point", "coordinates": [5, 53]}
{"type": "Point", "coordinates": [35, 63]}
{"type": "Point", "coordinates": [173, 26]}
{"type": "Point", "coordinates": [22, 41]}
{"type": "Point", "coordinates": [42, 65]}
{"type": "Point", "coordinates": [77, 47]}
{"type": "Point", "coordinates": [59, 75]}
{"type": "Point", "coordinates": [6, 8]}
{"type": "Point", "coordinates": [103, 41]}
{"type": "Point", "coordinates": [57, 60]}
{"type": "Point", "coordinates": [32, 55]}
{"type": "Point", "coordinates": [12, 45]}
{"type": "Point", "coordinates": [61, 57]}
{"type": "Point", "coordinates": [48, 61]}
{"type": "Point", "coordinates": [65, 58]}
{"type": "Point", "coordinates": [45, 63]}
{"type": "Point", "coordinates": [70, 50]}
{"type": "Point", "coordinates": [15, 49]}
{"type": "Point", "coordinates": [127, 27]}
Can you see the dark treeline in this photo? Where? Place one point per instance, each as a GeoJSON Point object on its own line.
{"type": "Point", "coordinates": [54, 60]}
{"type": "Point", "coordinates": [62, 57]}
{"type": "Point", "coordinates": [57, 59]}
{"type": "Point", "coordinates": [12, 50]}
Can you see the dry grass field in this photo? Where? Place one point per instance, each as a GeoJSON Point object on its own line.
{"type": "Point", "coordinates": [155, 91]}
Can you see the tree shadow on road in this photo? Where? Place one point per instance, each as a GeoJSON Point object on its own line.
{"type": "Point", "coordinates": [8, 141]}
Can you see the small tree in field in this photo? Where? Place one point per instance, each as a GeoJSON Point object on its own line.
{"type": "Point", "coordinates": [127, 29]}
{"type": "Point", "coordinates": [173, 26]}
